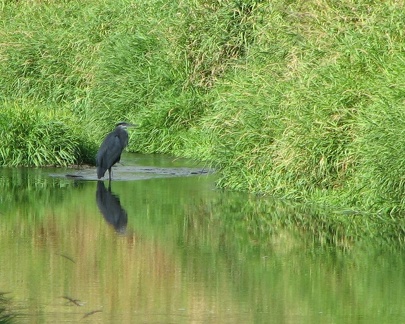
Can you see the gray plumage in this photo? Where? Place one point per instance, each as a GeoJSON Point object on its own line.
{"type": "Point", "coordinates": [110, 150]}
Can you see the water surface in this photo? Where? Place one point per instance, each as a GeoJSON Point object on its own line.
{"type": "Point", "coordinates": [176, 250]}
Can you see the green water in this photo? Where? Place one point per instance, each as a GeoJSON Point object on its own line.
{"type": "Point", "coordinates": [176, 250]}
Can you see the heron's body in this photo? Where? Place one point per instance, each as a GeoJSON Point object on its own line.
{"type": "Point", "coordinates": [111, 149]}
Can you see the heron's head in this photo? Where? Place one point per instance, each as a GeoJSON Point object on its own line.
{"type": "Point", "coordinates": [124, 125]}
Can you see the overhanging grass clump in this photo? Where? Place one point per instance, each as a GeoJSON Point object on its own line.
{"type": "Point", "coordinates": [314, 112]}
{"type": "Point", "coordinates": [35, 136]}
{"type": "Point", "coordinates": [381, 164]}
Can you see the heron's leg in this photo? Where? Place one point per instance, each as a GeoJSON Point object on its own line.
{"type": "Point", "coordinates": [109, 174]}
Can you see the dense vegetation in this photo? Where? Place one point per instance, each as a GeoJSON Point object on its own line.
{"type": "Point", "coordinates": [298, 99]}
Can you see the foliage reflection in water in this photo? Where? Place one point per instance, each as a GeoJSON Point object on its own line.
{"type": "Point", "coordinates": [185, 252]}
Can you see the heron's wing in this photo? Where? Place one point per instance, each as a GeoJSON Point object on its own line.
{"type": "Point", "coordinates": [108, 154]}
{"type": "Point", "coordinates": [115, 150]}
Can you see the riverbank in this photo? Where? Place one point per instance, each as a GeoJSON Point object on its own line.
{"type": "Point", "coordinates": [297, 100]}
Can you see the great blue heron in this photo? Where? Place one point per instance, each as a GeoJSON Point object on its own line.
{"type": "Point", "coordinates": [110, 150]}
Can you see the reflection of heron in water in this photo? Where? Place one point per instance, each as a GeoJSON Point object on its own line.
{"type": "Point", "coordinates": [110, 206]}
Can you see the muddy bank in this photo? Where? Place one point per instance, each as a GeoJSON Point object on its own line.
{"type": "Point", "coordinates": [130, 173]}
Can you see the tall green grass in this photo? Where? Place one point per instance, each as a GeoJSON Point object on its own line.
{"type": "Point", "coordinates": [293, 99]}
{"type": "Point", "coordinates": [46, 52]}
{"type": "Point", "coordinates": [33, 136]}
{"type": "Point", "coordinates": [315, 112]}
{"type": "Point", "coordinates": [142, 75]}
